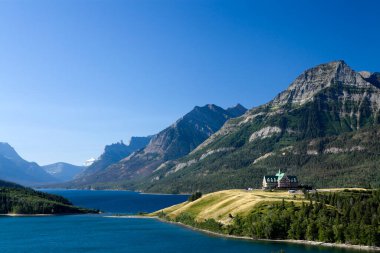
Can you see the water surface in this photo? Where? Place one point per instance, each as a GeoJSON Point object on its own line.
{"type": "Point", "coordinates": [99, 234]}
{"type": "Point", "coordinates": [127, 202]}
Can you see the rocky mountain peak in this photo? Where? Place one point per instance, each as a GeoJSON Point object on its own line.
{"type": "Point", "coordinates": [313, 80]}
{"type": "Point", "coordinates": [202, 120]}
{"type": "Point", "coordinates": [207, 107]}
{"type": "Point", "coordinates": [211, 106]}
{"type": "Point", "coordinates": [236, 110]}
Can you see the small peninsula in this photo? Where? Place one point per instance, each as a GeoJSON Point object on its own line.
{"type": "Point", "coordinates": [18, 200]}
{"type": "Point", "coordinates": [331, 217]}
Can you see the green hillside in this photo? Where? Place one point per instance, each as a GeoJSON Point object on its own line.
{"type": "Point", "coordinates": [16, 199]}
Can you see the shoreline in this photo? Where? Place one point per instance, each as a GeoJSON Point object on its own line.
{"type": "Point", "coordinates": [304, 242]}
{"type": "Point", "coordinates": [43, 214]}
{"type": "Point", "coordinates": [25, 215]}
{"type": "Point", "coordinates": [164, 194]}
{"type": "Point", "coordinates": [110, 189]}
{"type": "Point", "coordinates": [129, 217]}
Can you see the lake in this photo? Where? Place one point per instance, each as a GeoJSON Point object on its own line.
{"type": "Point", "coordinates": [98, 233]}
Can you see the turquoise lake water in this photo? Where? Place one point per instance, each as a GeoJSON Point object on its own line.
{"type": "Point", "coordinates": [99, 234]}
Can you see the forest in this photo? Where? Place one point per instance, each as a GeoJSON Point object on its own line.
{"type": "Point", "coordinates": [16, 199]}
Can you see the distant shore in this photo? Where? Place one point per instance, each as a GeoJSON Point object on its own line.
{"type": "Point", "coordinates": [25, 215]}
{"type": "Point", "coordinates": [110, 189]}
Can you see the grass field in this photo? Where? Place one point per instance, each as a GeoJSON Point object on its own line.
{"type": "Point", "coordinates": [223, 204]}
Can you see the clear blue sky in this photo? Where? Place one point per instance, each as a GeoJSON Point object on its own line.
{"type": "Point", "coordinates": [76, 75]}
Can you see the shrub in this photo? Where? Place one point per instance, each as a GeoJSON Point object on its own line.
{"type": "Point", "coordinates": [195, 196]}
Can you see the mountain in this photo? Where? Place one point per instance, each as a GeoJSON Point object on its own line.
{"type": "Point", "coordinates": [14, 168]}
{"type": "Point", "coordinates": [63, 171]}
{"type": "Point", "coordinates": [324, 128]}
{"type": "Point", "coordinates": [236, 111]}
{"type": "Point", "coordinates": [171, 143]}
{"type": "Point", "coordinates": [114, 153]}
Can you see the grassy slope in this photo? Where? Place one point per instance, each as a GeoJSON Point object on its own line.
{"type": "Point", "coordinates": [344, 218]}
{"type": "Point", "coordinates": [219, 205]}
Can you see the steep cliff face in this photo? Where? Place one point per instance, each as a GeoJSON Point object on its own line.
{"type": "Point", "coordinates": [173, 142]}
{"type": "Point", "coordinates": [326, 101]}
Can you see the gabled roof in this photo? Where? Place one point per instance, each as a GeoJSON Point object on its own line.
{"type": "Point", "coordinates": [270, 178]}
{"type": "Point", "coordinates": [279, 176]}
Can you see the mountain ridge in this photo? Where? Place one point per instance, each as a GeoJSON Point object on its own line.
{"type": "Point", "coordinates": [114, 153]}
{"type": "Point", "coordinates": [63, 171]}
{"type": "Point", "coordinates": [175, 141]}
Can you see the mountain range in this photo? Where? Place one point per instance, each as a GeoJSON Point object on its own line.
{"type": "Point", "coordinates": [13, 168]}
{"type": "Point", "coordinates": [324, 128]}
{"type": "Point", "coordinates": [175, 141]}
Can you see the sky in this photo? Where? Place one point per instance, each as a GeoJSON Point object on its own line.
{"type": "Point", "coordinates": [76, 75]}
